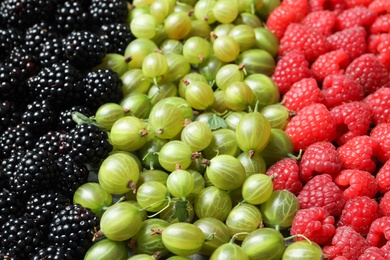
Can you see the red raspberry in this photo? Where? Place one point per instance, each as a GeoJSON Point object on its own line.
{"type": "Point", "coordinates": [374, 253]}
{"type": "Point", "coordinates": [333, 62]}
{"type": "Point", "coordinates": [286, 175]}
{"type": "Point", "coordinates": [319, 158]}
{"type": "Point", "coordinates": [379, 44]}
{"type": "Point", "coordinates": [290, 69]}
{"type": "Point", "coordinates": [353, 3]}
{"type": "Point", "coordinates": [356, 183]}
{"type": "Point", "coordinates": [339, 89]}
{"type": "Point", "coordinates": [321, 191]}
{"type": "Point", "coordinates": [311, 124]}
{"type": "Point", "coordinates": [381, 133]}
{"type": "Point", "coordinates": [379, 232]}
{"type": "Point", "coordinates": [279, 19]}
{"type": "Point", "coordinates": [384, 204]}
{"type": "Point", "coordinates": [369, 72]}
{"type": "Point", "coordinates": [301, 8]}
{"type": "Point", "coordinates": [302, 93]}
{"type": "Point", "coordinates": [347, 243]}
{"type": "Point", "coordinates": [314, 223]}
{"type": "Point", "coordinates": [355, 16]}
{"type": "Point", "coordinates": [321, 21]}
{"type": "Point", "coordinates": [340, 258]}
{"type": "Point", "coordinates": [351, 40]}
{"type": "Point", "coordinates": [381, 24]}
{"type": "Point", "coordinates": [380, 6]}
{"type": "Point", "coordinates": [337, 6]}
{"type": "Point", "coordinates": [300, 37]}
{"type": "Point", "coordinates": [383, 178]}
{"type": "Point", "coordinates": [358, 213]}
{"type": "Point", "coordinates": [379, 103]}
{"type": "Point", "coordinates": [352, 119]}
{"type": "Point", "coordinates": [359, 153]}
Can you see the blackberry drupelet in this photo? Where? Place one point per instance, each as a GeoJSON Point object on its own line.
{"type": "Point", "coordinates": [35, 36]}
{"type": "Point", "coordinates": [53, 142]}
{"type": "Point", "coordinates": [25, 62]}
{"type": "Point", "coordinates": [51, 52]}
{"type": "Point", "coordinates": [100, 87]}
{"type": "Point", "coordinates": [116, 36]}
{"type": "Point", "coordinates": [10, 206]}
{"type": "Point", "coordinates": [108, 11]}
{"type": "Point", "coordinates": [84, 49]}
{"type": "Point", "coordinates": [87, 144]}
{"type": "Point", "coordinates": [9, 114]}
{"type": "Point", "coordinates": [72, 229]}
{"type": "Point", "coordinates": [8, 168]}
{"type": "Point", "coordinates": [40, 116]}
{"type": "Point", "coordinates": [16, 139]}
{"type": "Point", "coordinates": [51, 253]}
{"type": "Point", "coordinates": [9, 80]}
{"type": "Point", "coordinates": [65, 120]}
{"type": "Point", "coordinates": [10, 38]}
{"type": "Point", "coordinates": [70, 15]}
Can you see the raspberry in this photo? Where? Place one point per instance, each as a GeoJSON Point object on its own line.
{"type": "Point", "coordinates": [381, 133]}
{"type": "Point", "coordinates": [338, 89]}
{"type": "Point", "coordinates": [380, 6]}
{"type": "Point", "coordinates": [356, 183]}
{"type": "Point", "coordinates": [321, 21]}
{"type": "Point", "coordinates": [347, 243]}
{"type": "Point", "coordinates": [358, 213]}
{"type": "Point", "coordinates": [286, 175]}
{"type": "Point", "coordinates": [301, 8]}
{"type": "Point", "coordinates": [333, 62]}
{"type": "Point", "coordinates": [312, 124]}
{"type": "Point", "coordinates": [279, 19]}
{"type": "Point", "coordinates": [302, 93]}
{"type": "Point", "coordinates": [314, 223]}
{"type": "Point", "coordinates": [352, 119]}
{"type": "Point", "coordinates": [379, 44]}
{"type": "Point", "coordinates": [374, 253]}
{"type": "Point", "coordinates": [351, 40]}
{"type": "Point", "coordinates": [290, 68]}
{"type": "Point", "coordinates": [300, 37]}
{"type": "Point", "coordinates": [353, 3]}
{"type": "Point", "coordinates": [369, 72]}
{"type": "Point", "coordinates": [321, 191]}
{"type": "Point", "coordinates": [379, 103]}
{"type": "Point", "coordinates": [383, 178]}
{"type": "Point", "coordinates": [337, 6]}
{"type": "Point", "coordinates": [384, 204]}
{"type": "Point", "coordinates": [319, 158]}
{"type": "Point", "coordinates": [381, 24]}
{"type": "Point", "coordinates": [379, 232]}
{"type": "Point", "coordinates": [355, 16]}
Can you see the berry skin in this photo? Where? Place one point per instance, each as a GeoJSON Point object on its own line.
{"type": "Point", "coordinates": [380, 6]}
{"type": "Point", "coordinates": [107, 11]}
{"type": "Point", "coordinates": [314, 223]}
{"type": "Point", "coordinates": [302, 93]}
{"type": "Point", "coordinates": [321, 191]}
{"type": "Point", "coordinates": [69, 16]}
{"type": "Point", "coordinates": [359, 212]}
{"type": "Point", "coordinates": [279, 19]}
{"type": "Point", "coordinates": [51, 52]}
{"type": "Point", "coordinates": [53, 142]}
{"type": "Point", "coordinates": [322, 21]}
{"type": "Point", "coordinates": [116, 37]}
{"type": "Point", "coordinates": [301, 8]}
{"type": "Point", "coordinates": [353, 3]}
{"type": "Point", "coordinates": [381, 133]}
{"type": "Point", "coordinates": [312, 124]}
{"type": "Point", "coordinates": [352, 119]}
{"type": "Point", "coordinates": [40, 116]}
{"type": "Point", "coordinates": [300, 37]}
{"type": "Point", "coordinates": [356, 183]}
{"type": "Point", "coordinates": [369, 72]}
{"type": "Point", "coordinates": [374, 253]}
{"type": "Point", "coordinates": [379, 232]}
{"type": "Point", "coordinates": [347, 243]}
{"type": "Point", "coordinates": [379, 44]}
{"type": "Point", "coordinates": [379, 103]}
{"type": "Point", "coordinates": [355, 16]}
{"type": "Point", "coordinates": [333, 62]}
{"type": "Point", "coordinates": [351, 40]}
{"type": "Point", "coordinates": [384, 204]}
{"type": "Point", "coordinates": [359, 153]}
{"type": "Point", "coordinates": [338, 89]}
{"type": "Point", "coordinates": [16, 139]}
{"type": "Point", "coordinates": [381, 24]}
{"type": "Point", "coordinates": [51, 252]}
{"type": "Point", "coordinates": [383, 177]}
{"type": "Point", "coordinates": [319, 158]}
{"type": "Point", "coordinates": [10, 206]}
{"type": "Point", "coordinates": [286, 175]}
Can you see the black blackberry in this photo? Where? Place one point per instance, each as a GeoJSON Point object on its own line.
{"type": "Point", "coordinates": [10, 84]}
{"type": "Point", "coordinates": [10, 115]}
{"type": "Point", "coordinates": [116, 36]}
{"type": "Point", "coordinates": [100, 87]}
{"type": "Point", "coordinates": [65, 120]}
{"type": "Point", "coordinates": [88, 144]}
{"type": "Point", "coordinates": [84, 49]}
{"type": "Point", "coordinates": [7, 169]}
{"type": "Point", "coordinates": [35, 37]}
{"type": "Point", "coordinates": [70, 175]}
{"type": "Point", "coordinates": [25, 62]}
{"type": "Point", "coordinates": [53, 142]}
{"type": "Point", "coordinates": [19, 238]}
{"type": "Point", "coordinates": [10, 206]}
{"type": "Point", "coordinates": [108, 11]}
{"type": "Point", "coordinates": [70, 15]}
{"type": "Point", "coordinates": [51, 52]}
{"type": "Point", "coordinates": [16, 139]}
{"type": "Point", "coordinates": [60, 83]}
{"type": "Point", "coordinates": [72, 229]}
{"type": "Point", "coordinates": [51, 252]}
{"type": "Point", "coordinates": [10, 38]}
{"type": "Point", "coordinates": [40, 116]}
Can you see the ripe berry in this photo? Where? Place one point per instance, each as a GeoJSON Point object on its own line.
{"type": "Point", "coordinates": [356, 16]}
{"type": "Point", "coordinates": [380, 6]}
{"type": "Point", "coordinates": [381, 24]}
{"type": "Point", "coordinates": [374, 252]}
{"type": "Point", "coordinates": [321, 21]}
{"type": "Point", "coordinates": [379, 232]}
{"type": "Point", "coordinates": [351, 40]}
{"type": "Point", "coordinates": [356, 183]}
{"type": "Point", "coordinates": [384, 204]}
{"type": "Point", "coordinates": [381, 133]}
{"type": "Point", "coordinates": [383, 177]}
{"type": "Point", "coordinates": [279, 19]}
{"type": "Point", "coordinates": [379, 103]}
{"type": "Point", "coordinates": [336, 6]}
{"type": "Point", "coordinates": [332, 62]}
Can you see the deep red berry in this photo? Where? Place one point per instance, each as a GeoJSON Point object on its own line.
{"type": "Point", "coordinates": [338, 89]}
{"type": "Point", "coordinates": [319, 158]}
{"type": "Point", "coordinates": [279, 19]}
{"type": "Point", "coordinates": [351, 40]}
{"type": "Point", "coordinates": [379, 103]}
{"type": "Point", "coordinates": [314, 223]}
{"type": "Point", "coordinates": [322, 21]}
{"type": "Point", "coordinates": [383, 178]}
{"type": "Point", "coordinates": [380, 6]}
{"type": "Point", "coordinates": [358, 213]}
{"type": "Point", "coordinates": [337, 6]}
{"type": "Point", "coordinates": [352, 119]}
{"type": "Point", "coordinates": [356, 183]}
{"type": "Point", "coordinates": [285, 175]}
{"type": "Point", "coordinates": [379, 232]}
{"type": "Point", "coordinates": [302, 93]}
{"type": "Point", "coordinates": [381, 133]}
{"type": "Point", "coordinates": [374, 253]}
{"type": "Point", "coordinates": [321, 191]}
{"type": "Point", "coordinates": [347, 243]}
{"type": "Point", "coordinates": [301, 8]}
{"type": "Point", "coordinates": [307, 40]}
{"type": "Point", "coordinates": [290, 68]}
{"type": "Point", "coordinates": [379, 44]}
{"type": "Point", "coordinates": [355, 16]}
{"type": "Point", "coordinates": [333, 62]}
{"type": "Point", "coordinates": [381, 24]}
{"type": "Point", "coordinates": [384, 204]}
{"type": "Point", "coordinates": [312, 124]}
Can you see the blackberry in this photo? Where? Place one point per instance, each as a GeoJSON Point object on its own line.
{"type": "Point", "coordinates": [19, 238]}
{"type": "Point", "coordinates": [100, 87]}
{"type": "Point", "coordinates": [116, 37]}
{"type": "Point", "coordinates": [53, 142]}
{"type": "Point", "coordinates": [8, 168]}
{"type": "Point", "coordinates": [108, 11]}
{"type": "Point", "coordinates": [72, 229]}
{"type": "Point", "coordinates": [40, 116]}
{"type": "Point", "coordinates": [16, 139]}
{"type": "Point", "coordinates": [70, 15]}
{"type": "Point", "coordinates": [10, 206]}
{"type": "Point", "coordinates": [51, 52]}
{"type": "Point", "coordinates": [27, 63]}
{"type": "Point", "coordinates": [88, 144]}
{"type": "Point", "coordinates": [10, 38]}
{"type": "Point", "coordinates": [9, 114]}
{"type": "Point", "coordinates": [70, 175]}
{"type": "Point", "coordinates": [65, 120]}
{"type": "Point", "coordinates": [51, 252]}
{"type": "Point", "coordinates": [84, 49]}
{"type": "Point", "coordinates": [9, 80]}
{"type": "Point", "coordinates": [35, 36]}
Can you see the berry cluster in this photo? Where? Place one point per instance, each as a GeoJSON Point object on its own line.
{"type": "Point", "coordinates": [334, 73]}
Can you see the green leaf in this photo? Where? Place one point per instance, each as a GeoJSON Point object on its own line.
{"type": "Point", "coordinates": [217, 122]}
{"type": "Point", "coordinates": [80, 119]}
{"type": "Point", "coordinates": [180, 211]}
